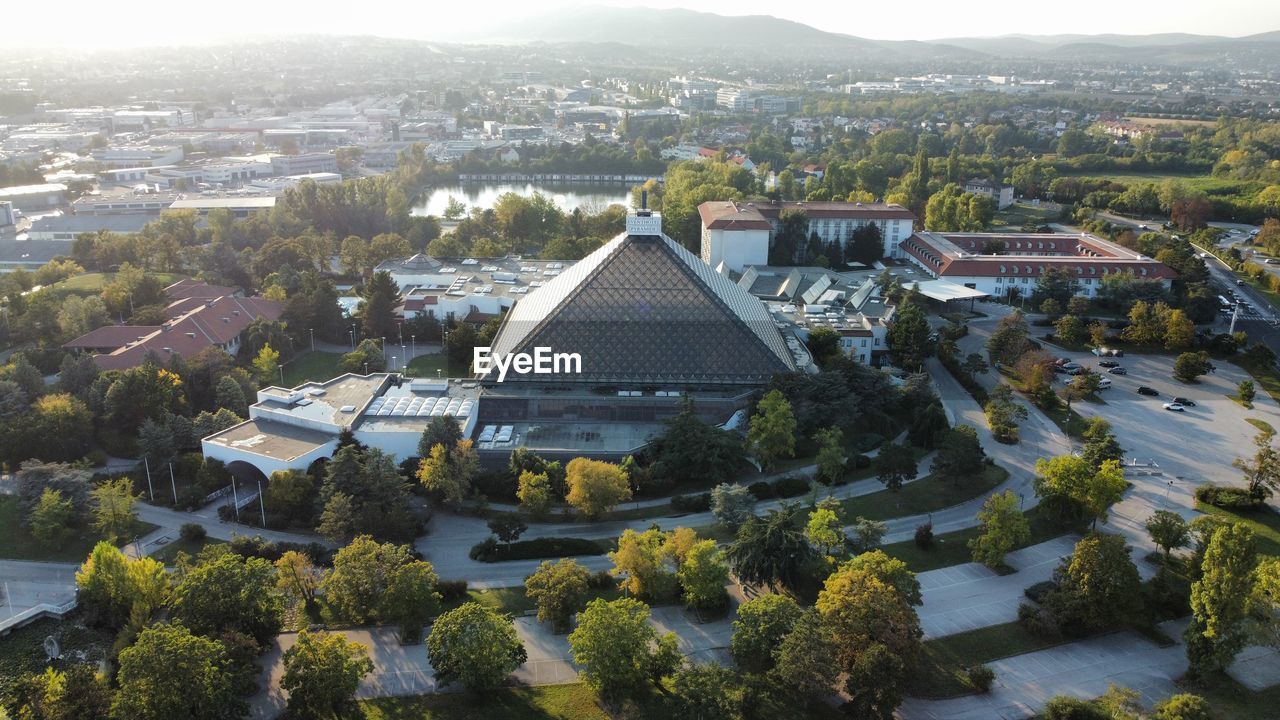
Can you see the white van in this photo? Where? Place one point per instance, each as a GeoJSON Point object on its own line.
{"type": "Point", "coordinates": [1104, 383]}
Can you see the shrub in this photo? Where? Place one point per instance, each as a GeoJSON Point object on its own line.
{"type": "Point", "coordinates": [790, 486]}
{"type": "Point", "coordinates": [1037, 622]}
{"type": "Point", "coordinates": [1229, 498]}
{"type": "Point", "coordinates": [451, 590]}
{"type": "Point", "coordinates": [226, 513]}
{"type": "Point", "coordinates": [692, 503]}
{"type": "Point", "coordinates": [537, 549]}
{"type": "Point", "coordinates": [1038, 592]}
{"type": "Point", "coordinates": [869, 441]}
{"type": "Point", "coordinates": [1062, 707]}
{"type": "Point", "coordinates": [924, 536]}
{"type": "Point", "coordinates": [861, 462]}
{"type": "Point", "coordinates": [761, 490]}
{"type": "Point", "coordinates": [192, 532]}
{"type": "Point", "coordinates": [981, 677]}
{"type": "Point", "coordinates": [96, 458]}
{"type": "Point", "coordinates": [601, 580]}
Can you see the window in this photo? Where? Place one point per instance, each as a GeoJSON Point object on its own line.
{"type": "Point", "coordinates": [999, 279]}
{"type": "Point", "coordinates": [1024, 280]}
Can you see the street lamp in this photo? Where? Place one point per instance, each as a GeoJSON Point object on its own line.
{"type": "Point", "coordinates": [352, 335]}
{"type": "Point", "coordinates": [312, 331]}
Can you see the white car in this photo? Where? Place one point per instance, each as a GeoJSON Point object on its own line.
{"type": "Point", "coordinates": [1175, 407]}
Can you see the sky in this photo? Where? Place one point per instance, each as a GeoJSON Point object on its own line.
{"type": "Point", "coordinates": [94, 23]}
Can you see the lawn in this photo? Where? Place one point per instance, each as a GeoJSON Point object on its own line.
{"type": "Point", "coordinates": [311, 366]}
{"type": "Point", "coordinates": [927, 494]}
{"type": "Point", "coordinates": [92, 283]}
{"type": "Point", "coordinates": [1264, 374]}
{"type": "Point", "coordinates": [427, 366]}
{"type": "Point", "coordinates": [555, 702]}
{"type": "Point", "coordinates": [22, 651]}
{"type": "Point", "coordinates": [1018, 214]}
{"type": "Point", "coordinates": [940, 671]}
{"type": "Point", "coordinates": [169, 553]}
{"type": "Point", "coordinates": [1265, 524]}
{"type": "Point", "coordinates": [1262, 425]}
{"type": "Point", "coordinates": [17, 543]}
{"type": "Point", "coordinates": [1230, 699]}
{"type": "Point", "coordinates": [953, 548]}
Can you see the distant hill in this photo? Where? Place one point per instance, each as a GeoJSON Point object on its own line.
{"type": "Point", "coordinates": [1160, 47]}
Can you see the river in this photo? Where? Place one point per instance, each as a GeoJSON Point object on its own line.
{"type": "Point", "coordinates": [591, 198]}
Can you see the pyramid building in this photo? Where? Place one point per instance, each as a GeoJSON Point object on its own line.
{"type": "Point", "coordinates": [644, 311]}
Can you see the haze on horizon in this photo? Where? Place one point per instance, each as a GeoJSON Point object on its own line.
{"type": "Point", "coordinates": [93, 24]}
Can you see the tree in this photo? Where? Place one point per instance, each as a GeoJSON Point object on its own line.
{"type": "Point", "coordinates": [1073, 490]}
{"type": "Point", "coordinates": [442, 430]}
{"type": "Point", "coordinates": [59, 428]}
{"type": "Point", "coordinates": [559, 590]}
{"type": "Point", "coordinates": [322, 672]}
{"type": "Point", "coordinates": [867, 534]}
{"type": "Point", "coordinates": [804, 659]}
{"type": "Point", "coordinates": [1082, 386]}
{"type": "Point", "coordinates": [895, 465]}
{"type": "Point", "coordinates": [703, 575]}
{"type": "Point", "coordinates": [876, 633]}
{"type": "Point", "coordinates": [1070, 330]}
{"type": "Point", "coordinates": [1103, 489]}
{"type": "Point", "coordinates": [929, 426]}
{"type": "Point", "coordinates": [595, 486]}
{"type": "Point", "coordinates": [290, 495]}
{"type": "Point", "coordinates": [52, 519]}
{"type": "Point", "coordinates": [908, 336]}
{"type": "Point", "coordinates": [1191, 365]}
{"type": "Point", "coordinates": [377, 312]}
{"type": "Point", "coordinates": [508, 528]}
{"type": "Point", "coordinates": [708, 691]}
{"type": "Point", "coordinates": [960, 454]}
{"type": "Point", "coordinates": [975, 364]}
{"type": "Point", "coordinates": [449, 473]}
{"type": "Point", "coordinates": [645, 561]}
{"type": "Point", "coordinates": [1003, 414]}
{"type": "Point", "coordinates": [113, 513]}
{"type": "Point", "coordinates": [362, 572]}
{"type": "Point", "coordinates": [156, 442]}
{"type": "Point", "coordinates": [1010, 340]}
{"type": "Point", "coordinates": [267, 364]}
{"type": "Point", "coordinates": [614, 644]}
{"type": "Point", "coordinates": [474, 645]}
{"type": "Point", "coordinates": [1220, 599]}
{"type": "Point", "coordinates": [1246, 391]}
{"type": "Point", "coordinates": [1183, 706]}
{"type": "Point", "coordinates": [171, 673]}
{"type": "Point", "coordinates": [771, 550]}
{"type": "Point", "coordinates": [1004, 527]}
{"type": "Point", "coordinates": [534, 492]}
{"type": "Point", "coordinates": [1168, 530]}
{"type": "Point", "coordinates": [1180, 332]}
{"type": "Point", "coordinates": [772, 431]}
{"type": "Point", "coordinates": [830, 454]}
{"type": "Point", "coordinates": [297, 576]}
{"type": "Point", "coordinates": [759, 629]}
{"type": "Point", "coordinates": [1098, 333]}
{"type": "Point", "coordinates": [1098, 586]}
{"type": "Point", "coordinates": [76, 693]}
{"type": "Point", "coordinates": [865, 245]}
{"type": "Point", "coordinates": [230, 592]}
{"type": "Point", "coordinates": [1263, 471]}
{"type": "Point", "coordinates": [825, 529]}
{"type": "Point", "coordinates": [337, 520]}
{"type": "Point", "coordinates": [411, 598]}
{"type": "Point", "coordinates": [1100, 443]}
{"type": "Point", "coordinates": [731, 504]}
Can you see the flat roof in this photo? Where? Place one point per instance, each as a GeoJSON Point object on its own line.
{"type": "Point", "coordinates": [268, 201]}
{"type": "Point", "coordinates": [578, 437]}
{"type": "Point", "coordinates": [14, 190]}
{"type": "Point", "coordinates": [275, 440]}
{"type": "Point", "coordinates": [944, 290]}
{"type": "Point", "coordinates": [323, 401]}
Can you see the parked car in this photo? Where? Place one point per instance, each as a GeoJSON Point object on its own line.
{"type": "Point", "coordinates": [1107, 352]}
{"type": "Point", "coordinates": [1175, 407]}
{"type": "Point", "coordinates": [1104, 383]}
{"type": "Point", "coordinates": [1184, 401]}
{"type": "Point", "coordinates": [1118, 371]}
{"type": "Point", "coordinates": [1108, 364]}
{"type": "Point", "coordinates": [1144, 390]}
{"type": "Point", "coordinates": [1239, 282]}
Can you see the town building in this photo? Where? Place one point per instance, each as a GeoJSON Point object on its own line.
{"type": "Point", "coordinates": [67, 227]}
{"type": "Point", "coordinates": [316, 162]}
{"type": "Point", "coordinates": [1010, 264]}
{"type": "Point", "coordinates": [30, 198]}
{"type": "Point", "coordinates": [1001, 195]}
{"type": "Point", "coordinates": [240, 207]}
{"type": "Point", "coordinates": [134, 156]}
{"type": "Point", "coordinates": [471, 290]}
{"type": "Point", "coordinates": [739, 234]}
{"type": "Point", "coordinates": [196, 320]}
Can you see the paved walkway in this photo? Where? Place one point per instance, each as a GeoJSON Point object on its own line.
{"type": "Point", "coordinates": [26, 584]}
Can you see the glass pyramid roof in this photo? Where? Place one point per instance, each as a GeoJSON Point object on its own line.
{"type": "Point", "coordinates": [642, 309]}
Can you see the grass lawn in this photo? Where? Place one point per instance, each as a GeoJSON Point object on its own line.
{"type": "Point", "coordinates": [554, 702]}
{"type": "Point", "coordinates": [953, 548]}
{"type": "Point", "coordinates": [924, 495]}
{"type": "Point", "coordinates": [940, 671]}
{"type": "Point", "coordinates": [427, 365]}
{"type": "Point", "coordinates": [22, 651]}
{"type": "Point", "coordinates": [317, 366]}
{"type": "Point", "coordinates": [1230, 699]}
{"type": "Point", "coordinates": [169, 553]}
{"type": "Point", "coordinates": [1262, 425]}
{"type": "Point", "coordinates": [16, 542]}
{"type": "Point", "coordinates": [1018, 214]}
{"type": "Point", "coordinates": [1263, 374]}
{"type": "Point", "coordinates": [92, 283]}
{"type": "Point", "coordinates": [1265, 524]}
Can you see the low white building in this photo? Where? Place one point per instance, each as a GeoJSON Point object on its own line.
{"type": "Point", "coordinates": [1001, 195]}
{"type": "Point", "coordinates": [292, 428]}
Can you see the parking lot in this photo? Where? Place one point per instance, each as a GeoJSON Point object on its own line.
{"type": "Point", "coordinates": [1198, 444]}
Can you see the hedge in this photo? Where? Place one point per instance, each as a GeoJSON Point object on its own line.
{"type": "Point", "coordinates": [537, 549]}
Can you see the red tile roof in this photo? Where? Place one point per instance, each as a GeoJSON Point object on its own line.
{"type": "Point", "coordinates": [189, 288]}
{"type": "Point", "coordinates": [110, 337]}
{"type": "Point", "coordinates": [947, 263]}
